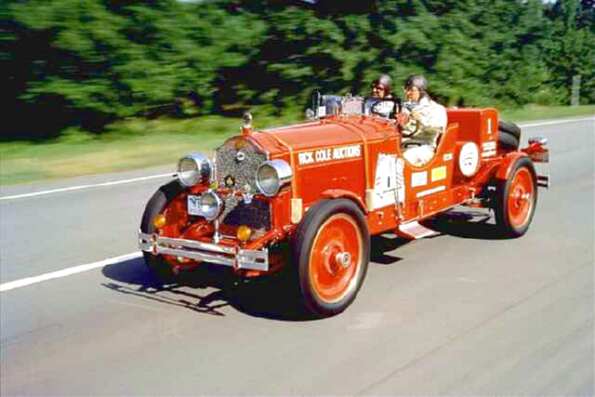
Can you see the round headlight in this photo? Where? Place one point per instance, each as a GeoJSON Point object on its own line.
{"type": "Point", "coordinates": [210, 205]}
{"type": "Point", "coordinates": [272, 175]}
{"type": "Point", "coordinates": [193, 169]}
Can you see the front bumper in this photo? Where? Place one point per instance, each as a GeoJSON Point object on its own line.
{"type": "Point", "coordinates": [197, 250]}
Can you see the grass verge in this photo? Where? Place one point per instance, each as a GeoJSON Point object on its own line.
{"type": "Point", "coordinates": [126, 145]}
{"type": "Point", "coordinates": [136, 143]}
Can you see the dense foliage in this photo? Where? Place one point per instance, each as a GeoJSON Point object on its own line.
{"type": "Point", "coordinates": [88, 63]}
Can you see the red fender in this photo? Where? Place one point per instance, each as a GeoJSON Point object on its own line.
{"type": "Point", "coordinates": [507, 163]}
{"type": "Point", "coordinates": [341, 193]}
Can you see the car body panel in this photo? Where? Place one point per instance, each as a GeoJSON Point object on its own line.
{"type": "Point", "coordinates": [356, 157]}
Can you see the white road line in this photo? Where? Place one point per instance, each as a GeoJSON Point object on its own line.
{"type": "Point", "coordinates": [80, 187]}
{"type": "Point", "coordinates": [564, 121]}
{"type": "Point", "coordinates": [144, 178]}
{"type": "Point", "coordinates": [66, 272]}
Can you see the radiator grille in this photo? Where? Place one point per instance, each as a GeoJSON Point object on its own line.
{"type": "Point", "coordinates": [237, 161]}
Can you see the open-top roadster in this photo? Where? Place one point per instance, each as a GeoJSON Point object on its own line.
{"type": "Point", "coordinates": [325, 186]}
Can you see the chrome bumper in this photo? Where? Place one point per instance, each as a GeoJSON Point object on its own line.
{"type": "Point", "coordinates": [212, 253]}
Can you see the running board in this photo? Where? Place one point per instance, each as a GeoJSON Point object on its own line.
{"type": "Point", "coordinates": [413, 231]}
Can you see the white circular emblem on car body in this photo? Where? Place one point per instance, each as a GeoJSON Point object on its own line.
{"type": "Point", "coordinates": [469, 159]}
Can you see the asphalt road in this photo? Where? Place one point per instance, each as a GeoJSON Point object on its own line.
{"type": "Point", "coordinates": [463, 313]}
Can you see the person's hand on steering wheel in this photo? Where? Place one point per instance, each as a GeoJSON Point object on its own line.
{"type": "Point", "coordinates": [402, 119]}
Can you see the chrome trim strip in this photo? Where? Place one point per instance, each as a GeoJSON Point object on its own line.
{"type": "Point", "coordinates": [215, 258]}
{"type": "Point", "coordinates": [251, 259]}
{"type": "Point", "coordinates": [212, 253]}
{"type": "Point", "coordinates": [197, 245]}
{"type": "Point", "coordinates": [430, 191]}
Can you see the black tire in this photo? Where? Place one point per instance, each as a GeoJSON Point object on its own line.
{"type": "Point", "coordinates": [507, 141]}
{"type": "Point", "coordinates": [507, 223]}
{"type": "Point", "coordinates": [510, 128]}
{"type": "Point", "coordinates": [313, 228]}
{"type": "Point", "coordinates": [156, 204]}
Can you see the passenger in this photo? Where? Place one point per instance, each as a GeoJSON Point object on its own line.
{"type": "Point", "coordinates": [421, 119]}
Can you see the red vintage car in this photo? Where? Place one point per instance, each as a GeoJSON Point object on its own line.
{"type": "Point", "coordinates": [323, 187]}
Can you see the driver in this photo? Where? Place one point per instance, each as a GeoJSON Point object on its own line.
{"type": "Point", "coordinates": [421, 119]}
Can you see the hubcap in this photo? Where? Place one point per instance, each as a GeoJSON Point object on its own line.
{"type": "Point", "coordinates": [336, 258]}
{"type": "Point", "coordinates": [344, 259]}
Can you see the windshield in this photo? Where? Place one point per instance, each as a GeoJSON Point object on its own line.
{"type": "Point", "coordinates": [329, 105]}
{"type": "Point", "coordinates": [336, 104]}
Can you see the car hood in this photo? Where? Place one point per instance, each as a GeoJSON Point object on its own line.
{"type": "Point", "coordinates": [330, 132]}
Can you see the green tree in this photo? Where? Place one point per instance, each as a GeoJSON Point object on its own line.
{"type": "Point", "coordinates": [100, 60]}
{"type": "Point", "coordinates": [571, 48]}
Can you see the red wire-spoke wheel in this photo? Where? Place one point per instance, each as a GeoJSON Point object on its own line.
{"type": "Point", "coordinates": [331, 249]}
{"type": "Point", "coordinates": [516, 199]}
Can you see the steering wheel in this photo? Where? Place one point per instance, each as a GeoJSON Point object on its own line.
{"type": "Point", "coordinates": [411, 128]}
{"type": "Point", "coordinates": [413, 143]}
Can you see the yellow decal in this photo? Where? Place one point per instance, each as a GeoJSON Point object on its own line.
{"type": "Point", "coordinates": [438, 173]}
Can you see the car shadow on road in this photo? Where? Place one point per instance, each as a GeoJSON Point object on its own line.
{"type": "Point", "coordinates": [466, 223]}
{"type": "Point", "coordinates": [382, 247]}
{"type": "Point", "coordinates": [209, 290]}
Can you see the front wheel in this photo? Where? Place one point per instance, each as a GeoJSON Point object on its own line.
{"type": "Point", "coordinates": [331, 250]}
{"type": "Point", "coordinates": [516, 198]}
{"type": "Point", "coordinates": [158, 202]}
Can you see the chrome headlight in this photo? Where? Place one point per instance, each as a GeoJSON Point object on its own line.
{"type": "Point", "coordinates": [272, 175]}
{"type": "Point", "coordinates": [210, 205]}
{"type": "Point", "coordinates": [193, 169]}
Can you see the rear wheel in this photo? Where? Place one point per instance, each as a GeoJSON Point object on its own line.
{"type": "Point", "coordinates": [158, 202]}
{"type": "Point", "coordinates": [331, 250]}
{"type": "Point", "coordinates": [516, 199]}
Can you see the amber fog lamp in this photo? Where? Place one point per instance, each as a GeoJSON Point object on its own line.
{"type": "Point", "coordinates": [272, 175]}
{"type": "Point", "coordinates": [193, 169]}
{"type": "Point", "coordinates": [159, 221]}
{"type": "Point", "coordinates": [243, 233]}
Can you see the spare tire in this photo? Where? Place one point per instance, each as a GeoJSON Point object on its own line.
{"type": "Point", "coordinates": [507, 141]}
{"type": "Point", "coordinates": [510, 128]}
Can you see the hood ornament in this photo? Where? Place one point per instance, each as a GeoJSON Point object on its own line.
{"type": "Point", "coordinates": [247, 123]}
